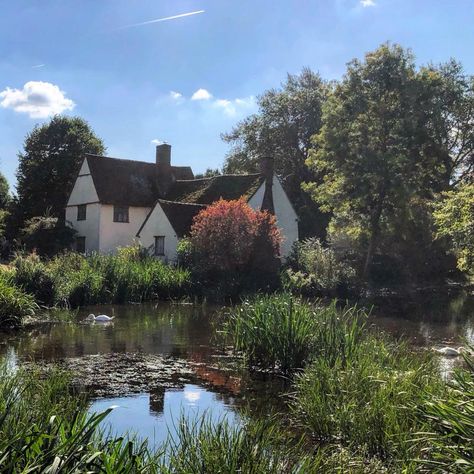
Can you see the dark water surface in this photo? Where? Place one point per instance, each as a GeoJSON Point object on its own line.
{"type": "Point", "coordinates": [185, 332]}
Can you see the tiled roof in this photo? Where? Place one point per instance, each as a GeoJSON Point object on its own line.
{"type": "Point", "coordinates": [208, 190]}
{"type": "Point", "coordinates": [128, 182]}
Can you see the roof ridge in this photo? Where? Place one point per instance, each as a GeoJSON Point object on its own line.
{"type": "Point", "coordinates": [133, 161]}
{"type": "Point", "coordinates": [166, 201]}
{"type": "Point", "coordinates": [120, 159]}
{"type": "Point", "coordinates": [253, 175]}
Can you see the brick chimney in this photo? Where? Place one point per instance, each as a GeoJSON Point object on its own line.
{"type": "Point", "coordinates": [165, 172]}
{"type": "Point", "coordinates": [266, 171]}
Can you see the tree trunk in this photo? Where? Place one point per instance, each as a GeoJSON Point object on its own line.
{"type": "Point", "coordinates": [374, 236]}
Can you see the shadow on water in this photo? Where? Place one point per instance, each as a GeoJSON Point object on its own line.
{"type": "Point", "coordinates": [426, 319]}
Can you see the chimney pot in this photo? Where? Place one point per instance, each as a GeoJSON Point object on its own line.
{"type": "Point", "coordinates": [266, 170]}
{"type": "Point", "coordinates": [163, 154]}
{"type": "Point", "coordinates": [267, 166]}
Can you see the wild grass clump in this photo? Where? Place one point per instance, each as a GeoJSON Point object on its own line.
{"type": "Point", "coordinates": [366, 403]}
{"type": "Point", "coordinates": [257, 447]}
{"type": "Point", "coordinates": [44, 427]}
{"type": "Point", "coordinates": [15, 304]}
{"type": "Point", "coordinates": [449, 443]}
{"type": "Point", "coordinates": [284, 333]}
{"type": "Point", "coordinates": [72, 280]}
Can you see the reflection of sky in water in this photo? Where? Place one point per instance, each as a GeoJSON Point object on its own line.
{"type": "Point", "coordinates": [152, 415]}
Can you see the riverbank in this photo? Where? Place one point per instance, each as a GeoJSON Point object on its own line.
{"type": "Point", "coordinates": [378, 383]}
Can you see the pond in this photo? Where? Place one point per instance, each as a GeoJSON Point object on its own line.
{"type": "Point", "coordinates": [157, 362]}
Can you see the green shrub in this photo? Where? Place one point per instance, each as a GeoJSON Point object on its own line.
{"type": "Point", "coordinates": [315, 269]}
{"type": "Point", "coordinates": [15, 304]}
{"type": "Point", "coordinates": [34, 277]}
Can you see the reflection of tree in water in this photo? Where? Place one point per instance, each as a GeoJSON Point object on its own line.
{"type": "Point", "coordinates": [152, 328]}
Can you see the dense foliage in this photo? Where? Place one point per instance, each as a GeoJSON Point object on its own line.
{"type": "Point", "coordinates": [49, 163]}
{"type": "Point", "coordinates": [15, 304]}
{"type": "Point", "coordinates": [316, 270]}
{"type": "Point", "coordinates": [393, 136]}
{"type": "Point", "coordinates": [282, 128]}
{"type": "Point", "coordinates": [47, 235]}
{"type": "Point", "coordinates": [4, 192]}
{"type": "Point", "coordinates": [73, 280]}
{"type": "Point", "coordinates": [455, 219]}
{"type": "Point", "coordinates": [233, 245]}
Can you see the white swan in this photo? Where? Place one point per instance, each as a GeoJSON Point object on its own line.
{"type": "Point", "coordinates": [101, 318]}
{"type": "Point", "coordinates": [451, 351]}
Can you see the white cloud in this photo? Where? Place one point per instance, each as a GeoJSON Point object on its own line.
{"type": "Point", "coordinates": [37, 66]}
{"type": "Point", "coordinates": [201, 94]}
{"type": "Point", "coordinates": [37, 99]}
{"type": "Point", "coordinates": [367, 3]}
{"type": "Point", "coordinates": [176, 95]}
{"type": "Point", "coordinates": [156, 141]}
{"type": "Point", "coordinates": [232, 107]}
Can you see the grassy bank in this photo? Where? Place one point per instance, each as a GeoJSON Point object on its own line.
{"type": "Point", "coordinates": [358, 403]}
{"type": "Point", "coordinates": [72, 280]}
{"type": "Point", "coordinates": [356, 393]}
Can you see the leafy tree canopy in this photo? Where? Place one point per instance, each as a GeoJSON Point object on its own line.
{"type": "Point", "coordinates": [4, 192]}
{"type": "Point", "coordinates": [48, 165]}
{"type": "Point", "coordinates": [454, 216]}
{"type": "Point", "coordinates": [372, 148]}
{"type": "Point", "coordinates": [283, 126]}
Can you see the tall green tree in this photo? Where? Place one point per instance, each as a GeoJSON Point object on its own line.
{"type": "Point", "coordinates": [371, 147]}
{"type": "Point", "coordinates": [48, 165]}
{"type": "Point", "coordinates": [447, 99]}
{"type": "Point", "coordinates": [286, 120]}
{"type": "Point", "coordinates": [454, 216]}
{"type": "Point", "coordinates": [4, 192]}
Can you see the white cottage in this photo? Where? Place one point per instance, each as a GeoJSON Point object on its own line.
{"type": "Point", "coordinates": [115, 202]}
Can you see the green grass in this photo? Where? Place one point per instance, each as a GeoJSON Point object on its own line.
{"type": "Point", "coordinates": [72, 280]}
{"type": "Point", "coordinates": [285, 333]}
{"type": "Point", "coordinates": [15, 304]}
{"type": "Point", "coordinates": [450, 439]}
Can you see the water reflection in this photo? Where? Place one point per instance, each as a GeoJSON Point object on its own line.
{"type": "Point", "coordinates": [429, 319]}
{"type": "Point", "coordinates": [156, 414]}
{"type": "Point", "coordinates": [181, 331]}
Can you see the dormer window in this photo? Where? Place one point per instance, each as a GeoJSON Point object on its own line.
{"type": "Point", "coordinates": [120, 213]}
{"type": "Point", "coordinates": [81, 212]}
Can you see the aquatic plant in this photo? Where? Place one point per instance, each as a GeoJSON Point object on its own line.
{"type": "Point", "coordinates": [369, 401]}
{"type": "Point", "coordinates": [283, 332]}
{"type": "Point", "coordinates": [15, 304]}
{"type": "Point", "coordinates": [449, 443]}
{"type": "Point", "coordinates": [73, 280]}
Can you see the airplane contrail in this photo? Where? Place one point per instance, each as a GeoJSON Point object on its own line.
{"type": "Point", "coordinates": [158, 20]}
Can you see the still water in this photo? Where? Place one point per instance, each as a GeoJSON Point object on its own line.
{"type": "Point", "coordinates": [185, 332]}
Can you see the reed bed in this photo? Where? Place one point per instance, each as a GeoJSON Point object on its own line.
{"type": "Point", "coordinates": [72, 280]}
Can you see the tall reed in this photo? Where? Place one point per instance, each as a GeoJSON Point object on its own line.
{"type": "Point", "coordinates": [284, 332]}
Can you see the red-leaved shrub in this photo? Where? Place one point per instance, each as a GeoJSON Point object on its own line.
{"type": "Point", "coordinates": [230, 238]}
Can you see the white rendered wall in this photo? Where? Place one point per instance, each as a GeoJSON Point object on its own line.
{"type": "Point", "coordinates": [286, 217]}
{"type": "Point", "coordinates": [158, 224]}
{"type": "Point", "coordinates": [119, 234]}
{"type": "Point", "coordinates": [84, 190]}
{"type": "Point", "coordinates": [89, 228]}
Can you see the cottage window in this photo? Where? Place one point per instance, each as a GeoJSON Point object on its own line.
{"type": "Point", "coordinates": [81, 244]}
{"type": "Point", "coordinates": [120, 213]}
{"type": "Point", "coordinates": [159, 245]}
{"type": "Point", "coordinates": [81, 212]}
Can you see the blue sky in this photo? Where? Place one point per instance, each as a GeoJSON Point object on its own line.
{"type": "Point", "coordinates": [135, 85]}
